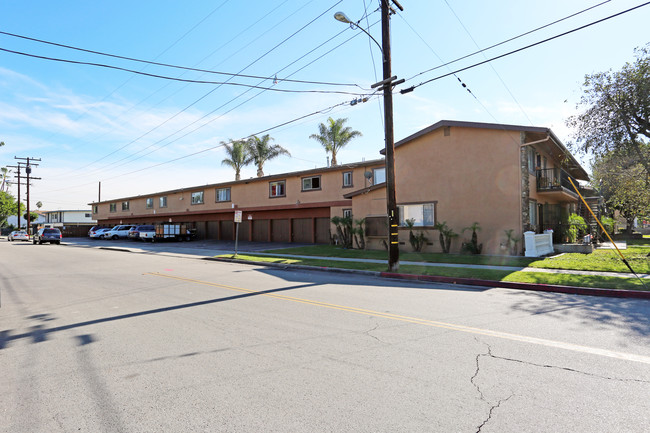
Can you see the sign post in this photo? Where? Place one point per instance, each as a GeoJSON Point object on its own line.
{"type": "Point", "coordinates": [238, 215]}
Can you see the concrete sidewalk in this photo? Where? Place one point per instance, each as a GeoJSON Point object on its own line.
{"type": "Point", "coordinates": [467, 266]}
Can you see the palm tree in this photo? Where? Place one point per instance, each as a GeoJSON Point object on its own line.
{"type": "Point", "coordinates": [261, 150]}
{"type": "Point", "coordinates": [334, 136]}
{"type": "Point", "coordinates": [239, 156]}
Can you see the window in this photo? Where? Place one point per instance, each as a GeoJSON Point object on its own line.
{"type": "Point", "coordinates": [149, 203]}
{"type": "Point", "coordinates": [222, 194]}
{"type": "Point", "coordinates": [162, 201]}
{"type": "Point", "coordinates": [423, 214]}
{"type": "Point", "coordinates": [87, 215]}
{"type": "Point", "coordinates": [347, 179]}
{"type": "Point", "coordinates": [95, 209]}
{"type": "Point", "coordinates": [276, 189]}
{"type": "Point", "coordinates": [310, 183]}
{"type": "Point", "coordinates": [531, 160]}
{"type": "Point", "coordinates": [197, 197]}
{"type": "Point", "coordinates": [378, 175]}
{"type": "Point", "coordinates": [113, 207]}
{"type": "Point", "coordinates": [125, 205]}
{"type": "Point", "coordinates": [532, 211]}
{"type": "Point", "coordinates": [347, 213]}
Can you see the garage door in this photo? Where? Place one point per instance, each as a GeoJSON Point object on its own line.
{"type": "Point", "coordinates": [260, 230]}
{"type": "Point", "coordinates": [280, 231]}
{"type": "Point", "coordinates": [302, 228]}
{"type": "Point", "coordinates": [322, 230]}
{"type": "Point", "coordinates": [226, 230]}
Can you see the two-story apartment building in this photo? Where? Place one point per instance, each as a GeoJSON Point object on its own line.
{"type": "Point", "coordinates": [505, 177]}
{"type": "Point", "coordinates": [288, 207]}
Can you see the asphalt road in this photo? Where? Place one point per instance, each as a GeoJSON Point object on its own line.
{"type": "Point", "coordinates": [108, 341]}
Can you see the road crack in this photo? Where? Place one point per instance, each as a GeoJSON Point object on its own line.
{"type": "Point", "coordinates": [368, 333]}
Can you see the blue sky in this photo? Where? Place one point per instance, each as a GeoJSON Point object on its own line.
{"type": "Point", "coordinates": [134, 133]}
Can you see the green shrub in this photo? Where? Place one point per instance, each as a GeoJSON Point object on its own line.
{"type": "Point", "coordinates": [576, 227]}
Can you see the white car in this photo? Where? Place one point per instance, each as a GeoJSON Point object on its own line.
{"type": "Point", "coordinates": [18, 235]}
{"type": "Point", "coordinates": [117, 232]}
{"type": "Point", "coordinates": [98, 233]}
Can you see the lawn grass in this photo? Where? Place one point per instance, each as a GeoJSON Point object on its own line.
{"type": "Point", "coordinates": [482, 274]}
{"type": "Point", "coordinates": [599, 260]}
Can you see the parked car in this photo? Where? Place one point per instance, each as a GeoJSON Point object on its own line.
{"type": "Point", "coordinates": [95, 228]}
{"type": "Point", "coordinates": [53, 236]}
{"type": "Point", "coordinates": [147, 233]}
{"type": "Point", "coordinates": [18, 235]}
{"type": "Point", "coordinates": [98, 233]}
{"type": "Point", "coordinates": [118, 232]}
{"type": "Point", "coordinates": [134, 233]}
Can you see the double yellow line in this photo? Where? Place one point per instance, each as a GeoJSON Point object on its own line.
{"type": "Point", "coordinates": [425, 322]}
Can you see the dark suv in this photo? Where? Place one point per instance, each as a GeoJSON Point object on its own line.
{"type": "Point", "coordinates": [52, 236]}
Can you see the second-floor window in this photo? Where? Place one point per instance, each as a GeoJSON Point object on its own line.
{"type": "Point", "coordinates": [125, 205]}
{"type": "Point", "coordinates": [162, 201]}
{"type": "Point", "coordinates": [347, 179]}
{"type": "Point", "coordinates": [197, 197]}
{"type": "Point", "coordinates": [378, 175]}
{"type": "Point", "coordinates": [276, 189]}
{"type": "Point", "coordinates": [149, 203]}
{"type": "Point", "coordinates": [95, 209]}
{"type": "Point", "coordinates": [223, 194]}
{"type": "Point", "coordinates": [310, 183]}
{"type": "Point", "coordinates": [113, 207]}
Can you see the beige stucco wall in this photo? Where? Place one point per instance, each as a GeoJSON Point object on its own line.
{"type": "Point", "coordinates": [473, 175]}
{"type": "Point", "coordinates": [247, 194]}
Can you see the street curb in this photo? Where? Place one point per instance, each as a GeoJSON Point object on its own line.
{"type": "Point", "coordinates": [587, 291]}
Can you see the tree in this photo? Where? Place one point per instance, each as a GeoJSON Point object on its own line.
{"type": "Point", "coordinates": [4, 175]}
{"type": "Point", "coordinates": [33, 216]}
{"type": "Point", "coordinates": [261, 150]}
{"type": "Point", "coordinates": [623, 182]}
{"type": "Point", "coordinates": [617, 115]}
{"type": "Point", "coordinates": [334, 136]}
{"type": "Point", "coordinates": [238, 156]}
{"type": "Point", "coordinates": [8, 207]}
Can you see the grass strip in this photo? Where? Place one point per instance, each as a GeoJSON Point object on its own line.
{"type": "Point", "coordinates": [482, 274]}
{"type": "Point", "coordinates": [599, 260]}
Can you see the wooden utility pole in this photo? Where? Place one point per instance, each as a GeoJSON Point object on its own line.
{"type": "Point", "coordinates": [28, 171]}
{"type": "Point", "coordinates": [391, 200]}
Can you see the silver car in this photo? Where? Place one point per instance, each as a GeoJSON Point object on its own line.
{"type": "Point", "coordinates": [18, 235]}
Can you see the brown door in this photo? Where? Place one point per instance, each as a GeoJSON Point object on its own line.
{"type": "Point", "coordinates": [280, 231]}
{"type": "Point", "coordinates": [322, 230]}
{"type": "Point", "coordinates": [302, 230]}
{"type": "Point", "coordinates": [260, 230]}
{"type": "Point", "coordinates": [226, 230]}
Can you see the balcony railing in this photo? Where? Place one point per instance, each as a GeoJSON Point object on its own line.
{"type": "Point", "coordinates": [554, 179]}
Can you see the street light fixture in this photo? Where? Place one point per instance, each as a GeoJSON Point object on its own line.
{"type": "Point", "coordinates": [387, 84]}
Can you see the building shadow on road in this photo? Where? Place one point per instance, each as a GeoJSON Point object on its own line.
{"type": "Point", "coordinates": [606, 313]}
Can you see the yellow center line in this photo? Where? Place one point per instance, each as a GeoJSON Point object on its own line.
{"type": "Point", "coordinates": [427, 322]}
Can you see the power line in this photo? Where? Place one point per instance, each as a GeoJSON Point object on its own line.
{"type": "Point", "coordinates": [509, 40]}
{"type": "Point", "coordinates": [167, 65]}
{"type": "Point", "coordinates": [525, 47]}
{"type": "Point", "coordinates": [185, 80]}
{"type": "Point", "coordinates": [210, 92]}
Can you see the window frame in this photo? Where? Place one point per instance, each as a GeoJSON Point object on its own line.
{"type": "Point", "coordinates": [161, 199]}
{"type": "Point", "coordinates": [302, 183]}
{"type": "Point", "coordinates": [148, 203]}
{"type": "Point", "coordinates": [374, 175]}
{"type": "Point", "coordinates": [125, 205]}
{"type": "Point", "coordinates": [216, 195]}
{"type": "Point", "coordinates": [347, 211]}
{"type": "Point", "coordinates": [194, 198]}
{"type": "Point", "coordinates": [95, 209]}
{"type": "Point", "coordinates": [351, 184]}
{"type": "Point", "coordinates": [112, 207]}
{"type": "Point", "coordinates": [425, 221]}
{"type": "Point", "coordinates": [284, 188]}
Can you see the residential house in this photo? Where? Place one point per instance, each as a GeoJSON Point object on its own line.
{"type": "Point", "coordinates": [70, 222]}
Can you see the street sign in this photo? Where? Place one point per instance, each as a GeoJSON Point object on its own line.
{"type": "Point", "coordinates": [238, 215]}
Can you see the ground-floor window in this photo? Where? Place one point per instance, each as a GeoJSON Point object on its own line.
{"type": "Point", "coordinates": [422, 214]}
{"type": "Point", "coordinates": [532, 211]}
